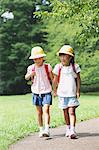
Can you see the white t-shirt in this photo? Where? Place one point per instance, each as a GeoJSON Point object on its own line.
{"type": "Point", "coordinates": [41, 84]}
{"type": "Point", "coordinates": [67, 84]}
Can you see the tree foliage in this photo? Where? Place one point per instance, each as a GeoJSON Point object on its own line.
{"type": "Point", "coordinates": [50, 24]}
{"type": "Point", "coordinates": [76, 23]}
{"type": "Point", "coordinates": [17, 37]}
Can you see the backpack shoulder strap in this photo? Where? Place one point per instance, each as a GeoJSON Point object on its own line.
{"type": "Point", "coordinates": [33, 68]}
{"type": "Point", "coordinates": [59, 72]}
{"type": "Point", "coordinates": [74, 69]}
{"type": "Point", "coordinates": [60, 68]}
{"type": "Point", "coordinates": [47, 71]}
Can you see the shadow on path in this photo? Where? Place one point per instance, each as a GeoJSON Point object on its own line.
{"type": "Point", "coordinates": [88, 135]}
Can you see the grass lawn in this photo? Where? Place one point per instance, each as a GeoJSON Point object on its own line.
{"type": "Point", "coordinates": [18, 116]}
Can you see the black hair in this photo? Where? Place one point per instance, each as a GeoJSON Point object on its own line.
{"type": "Point", "coordinates": [72, 61]}
{"type": "Point", "coordinates": [60, 54]}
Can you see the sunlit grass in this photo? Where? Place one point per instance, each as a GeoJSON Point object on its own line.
{"type": "Point", "coordinates": [18, 116]}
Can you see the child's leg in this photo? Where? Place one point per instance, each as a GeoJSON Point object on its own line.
{"type": "Point", "coordinates": [66, 116]}
{"type": "Point", "coordinates": [40, 116]}
{"type": "Point", "coordinates": [47, 101]}
{"type": "Point", "coordinates": [46, 116]}
{"type": "Point", "coordinates": [67, 120]}
{"type": "Point", "coordinates": [72, 116]}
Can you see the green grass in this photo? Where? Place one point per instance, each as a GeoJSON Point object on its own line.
{"type": "Point", "coordinates": [18, 117]}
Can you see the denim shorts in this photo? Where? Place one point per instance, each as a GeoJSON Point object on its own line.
{"type": "Point", "coordinates": [65, 102]}
{"type": "Point", "coordinates": [42, 99]}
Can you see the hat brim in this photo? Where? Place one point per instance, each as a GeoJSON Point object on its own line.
{"type": "Point", "coordinates": [38, 56]}
{"type": "Point", "coordinates": [65, 53]}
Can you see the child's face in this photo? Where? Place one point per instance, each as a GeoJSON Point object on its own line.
{"type": "Point", "coordinates": [65, 59]}
{"type": "Point", "coordinates": [39, 61]}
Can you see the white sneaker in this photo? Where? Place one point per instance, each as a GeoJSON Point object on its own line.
{"type": "Point", "coordinates": [46, 133]}
{"type": "Point", "coordinates": [67, 133]}
{"type": "Point", "coordinates": [72, 134]}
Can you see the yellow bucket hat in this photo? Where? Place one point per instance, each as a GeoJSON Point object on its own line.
{"type": "Point", "coordinates": [37, 52]}
{"type": "Point", "coordinates": [66, 49]}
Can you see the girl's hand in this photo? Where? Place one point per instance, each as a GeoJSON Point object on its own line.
{"type": "Point", "coordinates": [77, 95]}
{"type": "Point", "coordinates": [30, 75]}
{"type": "Point", "coordinates": [55, 93]}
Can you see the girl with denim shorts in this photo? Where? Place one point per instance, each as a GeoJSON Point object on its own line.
{"type": "Point", "coordinates": [40, 74]}
{"type": "Point", "coordinates": [67, 86]}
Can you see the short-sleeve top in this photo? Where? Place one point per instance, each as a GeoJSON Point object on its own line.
{"type": "Point", "coordinates": [67, 84]}
{"type": "Point", "coordinates": [41, 84]}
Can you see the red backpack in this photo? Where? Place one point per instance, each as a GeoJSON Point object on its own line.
{"type": "Point", "coordinates": [60, 68]}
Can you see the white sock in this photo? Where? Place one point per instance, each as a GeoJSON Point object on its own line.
{"type": "Point", "coordinates": [41, 128]}
{"type": "Point", "coordinates": [67, 127]}
{"type": "Point", "coordinates": [47, 127]}
{"type": "Point", "coordinates": [72, 128]}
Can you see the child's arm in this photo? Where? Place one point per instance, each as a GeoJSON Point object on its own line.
{"type": "Point", "coordinates": [51, 76]}
{"type": "Point", "coordinates": [55, 84]}
{"type": "Point", "coordinates": [78, 85]}
{"type": "Point", "coordinates": [29, 75]}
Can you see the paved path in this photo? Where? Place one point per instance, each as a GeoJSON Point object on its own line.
{"type": "Point", "coordinates": [88, 133]}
